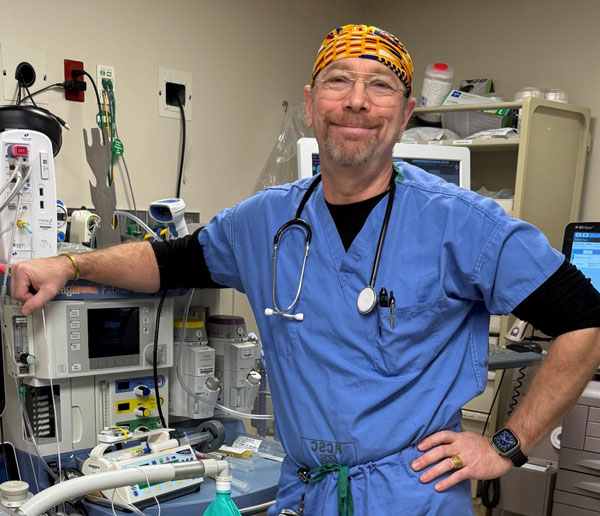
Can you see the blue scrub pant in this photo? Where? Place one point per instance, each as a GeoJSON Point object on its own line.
{"type": "Point", "coordinates": [387, 487]}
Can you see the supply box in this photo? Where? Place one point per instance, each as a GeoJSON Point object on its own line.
{"type": "Point", "coordinates": [471, 122]}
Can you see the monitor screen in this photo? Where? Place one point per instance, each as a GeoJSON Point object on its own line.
{"type": "Point", "coordinates": [113, 332]}
{"type": "Point", "coordinates": [582, 247]}
{"type": "Point", "coordinates": [451, 163]}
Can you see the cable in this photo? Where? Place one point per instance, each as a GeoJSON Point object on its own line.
{"type": "Point", "coordinates": [26, 89]}
{"type": "Point", "coordinates": [27, 422]}
{"type": "Point", "coordinates": [55, 85]}
{"type": "Point", "coordinates": [17, 188]}
{"type": "Point", "coordinates": [487, 419]}
{"type": "Point", "coordinates": [78, 73]}
{"type": "Point", "coordinates": [155, 359]}
{"type": "Point", "coordinates": [183, 136]}
{"type": "Point", "coordinates": [495, 482]}
{"type": "Point", "coordinates": [516, 392]}
{"type": "Point", "coordinates": [140, 222]}
{"type": "Point", "coordinates": [50, 375]}
{"type": "Point", "coordinates": [128, 177]}
{"type": "Point", "coordinates": [488, 502]}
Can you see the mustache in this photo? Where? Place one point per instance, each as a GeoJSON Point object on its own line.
{"type": "Point", "coordinates": [353, 121]}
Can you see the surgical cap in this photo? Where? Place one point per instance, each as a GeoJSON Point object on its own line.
{"type": "Point", "coordinates": [366, 42]}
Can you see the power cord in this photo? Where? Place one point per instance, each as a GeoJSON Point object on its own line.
{"type": "Point", "coordinates": [495, 482]}
{"type": "Point", "coordinates": [31, 95]}
{"type": "Point", "coordinates": [183, 136]}
{"type": "Point", "coordinates": [78, 73]}
{"type": "Point", "coordinates": [155, 359]}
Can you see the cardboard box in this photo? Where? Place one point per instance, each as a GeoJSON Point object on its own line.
{"type": "Point", "coordinates": [476, 86]}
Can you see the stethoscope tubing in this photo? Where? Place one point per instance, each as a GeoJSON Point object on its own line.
{"type": "Point", "coordinates": [297, 221]}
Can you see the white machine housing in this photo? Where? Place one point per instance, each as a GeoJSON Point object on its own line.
{"type": "Point", "coordinates": [197, 370]}
{"type": "Point", "coordinates": [162, 450]}
{"type": "Point", "coordinates": [38, 199]}
{"type": "Point", "coordinates": [235, 361]}
{"type": "Point", "coordinates": [196, 363]}
{"type": "Point", "coordinates": [88, 337]}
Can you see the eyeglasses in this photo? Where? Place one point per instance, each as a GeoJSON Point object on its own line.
{"type": "Point", "coordinates": [337, 85]}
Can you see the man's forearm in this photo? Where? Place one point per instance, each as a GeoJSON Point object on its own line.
{"type": "Point", "coordinates": [131, 266]}
{"type": "Point", "coordinates": [566, 370]}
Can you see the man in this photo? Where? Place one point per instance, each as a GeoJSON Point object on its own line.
{"type": "Point", "coordinates": [385, 335]}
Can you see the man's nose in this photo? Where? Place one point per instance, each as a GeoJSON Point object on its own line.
{"type": "Point", "coordinates": [357, 99]}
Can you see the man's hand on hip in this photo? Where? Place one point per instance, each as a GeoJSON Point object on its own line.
{"type": "Point", "coordinates": [476, 458]}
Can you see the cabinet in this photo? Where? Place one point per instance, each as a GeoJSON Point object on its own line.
{"type": "Point", "coordinates": [544, 166]}
{"type": "Point", "coordinates": [577, 490]}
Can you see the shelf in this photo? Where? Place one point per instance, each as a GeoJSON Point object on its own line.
{"type": "Point", "coordinates": [477, 144]}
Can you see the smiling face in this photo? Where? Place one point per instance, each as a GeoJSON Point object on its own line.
{"type": "Point", "coordinates": [354, 131]}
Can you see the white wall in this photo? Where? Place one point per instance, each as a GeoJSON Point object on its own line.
{"type": "Point", "coordinates": [543, 43]}
{"type": "Point", "coordinates": [245, 57]}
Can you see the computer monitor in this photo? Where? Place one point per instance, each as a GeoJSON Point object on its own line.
{"type": "Point", "coordinates": [450, 163]}
{"type": "Point", "coordinates": [581, 245]}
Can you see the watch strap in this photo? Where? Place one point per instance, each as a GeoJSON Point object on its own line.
{"type": "Point", "coordinates": [517, 457]}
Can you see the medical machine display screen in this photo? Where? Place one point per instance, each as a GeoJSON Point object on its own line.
{"type": "Point", "coordinates": [113, 332]}
{"type": "Point", "coordinates": [445, 168]}
{"type": "Point", "coordinates": [585, 255]}
{"type": "Point", "coordinates": [316, 166]}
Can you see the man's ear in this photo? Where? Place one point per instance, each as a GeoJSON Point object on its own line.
{"type": "Point", "coordinates": [308, 105]}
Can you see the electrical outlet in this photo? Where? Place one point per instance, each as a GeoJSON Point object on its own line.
{"type": "Point", "coordinates": [70, 65]}
{"type": "Point", "coordinates": [176, 78]}
{"type": "Point", "coordinates": [104, 72]}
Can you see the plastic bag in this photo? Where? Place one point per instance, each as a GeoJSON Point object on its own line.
{"type": "Point", "coordinates": [282, 164]}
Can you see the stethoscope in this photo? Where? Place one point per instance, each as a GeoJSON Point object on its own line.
{"type": "Point", "coordinates": [367, 297]}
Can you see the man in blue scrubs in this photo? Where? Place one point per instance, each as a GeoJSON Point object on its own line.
{"type": "Point", "coordinates": [367, 398]}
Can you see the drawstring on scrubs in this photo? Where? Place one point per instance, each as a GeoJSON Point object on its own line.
{"type": "Point", "coordinates": [345, 502]}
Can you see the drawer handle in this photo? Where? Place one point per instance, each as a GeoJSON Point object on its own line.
{"type": "Point", "coordinates": [588, 486]}
{"type": "Point", "coordinates": [591, 464]}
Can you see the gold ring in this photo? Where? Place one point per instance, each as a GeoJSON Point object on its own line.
{"type": "Point", "coordinates": [458, 463]}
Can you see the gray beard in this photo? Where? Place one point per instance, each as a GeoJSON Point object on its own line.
{"type": "Point", "coordinates": [358, 158]}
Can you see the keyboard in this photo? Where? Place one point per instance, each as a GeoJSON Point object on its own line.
{"type": "Point", "coordinates": [500, 357]}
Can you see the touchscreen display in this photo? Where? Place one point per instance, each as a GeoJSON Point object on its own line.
{"type": "Point", "coordinates": [585, 255]}
{"type": "Point", "coordinates": [113, 332]}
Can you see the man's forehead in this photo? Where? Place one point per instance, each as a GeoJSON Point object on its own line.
{"type": "Point", "coordinates": [356, 64]}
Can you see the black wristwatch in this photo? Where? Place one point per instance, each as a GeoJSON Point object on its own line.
{"type": "Point", "coordinates": [507, 444]}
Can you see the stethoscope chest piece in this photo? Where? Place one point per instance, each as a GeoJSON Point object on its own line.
{"type": "Point", "coordinates": [367, 298]}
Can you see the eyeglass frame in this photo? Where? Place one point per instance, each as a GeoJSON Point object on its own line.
{"type": "Point", "coordinates": [366, 83]}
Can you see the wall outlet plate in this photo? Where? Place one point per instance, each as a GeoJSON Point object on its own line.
{"type": "Point", "coordinates": [104, 72]}
{"type": "Point", "coordinates": [70, 65]}
{"type": "Point", "coordinates": [166, 75]}
{"type": "Point", "coordinates": [12, 55]}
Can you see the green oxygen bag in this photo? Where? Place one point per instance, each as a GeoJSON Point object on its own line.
{"type": "Point", "coordinates": [222, 505]}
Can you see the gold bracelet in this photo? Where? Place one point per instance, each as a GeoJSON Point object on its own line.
{"type": "Point", "coordinates": [74, 262]}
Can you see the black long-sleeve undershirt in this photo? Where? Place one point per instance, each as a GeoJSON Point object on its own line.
{"type": "Point", "coordinates": [565, 302]}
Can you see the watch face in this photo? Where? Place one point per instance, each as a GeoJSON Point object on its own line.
{"type": "Point", "coordinates": [505, 440]}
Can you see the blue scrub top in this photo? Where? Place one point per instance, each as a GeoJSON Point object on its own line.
{"type": "Point", "coordinates": [348, 388]}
